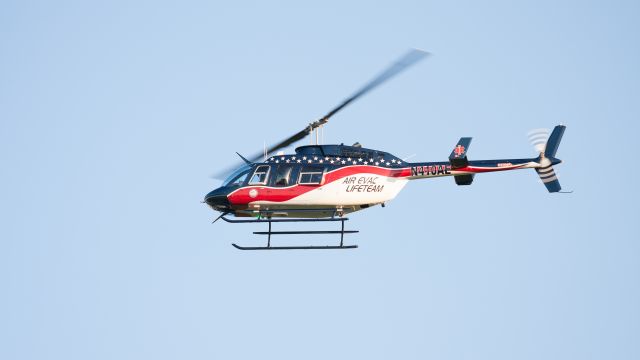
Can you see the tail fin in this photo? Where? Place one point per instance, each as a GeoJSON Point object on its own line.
{"type": "Point", "coordinates": [458, 157]}
{"type": "Point", "coordinates": [547, 159]}
{"type": "Point", "coordinates": [554, 141]}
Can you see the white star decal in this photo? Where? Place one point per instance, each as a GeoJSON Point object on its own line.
{"type": "Point", "coordinates": [393, 161]}
{"type": "Point", "coordinates": [277, 161]}
{"type": "Point", "coordinates": [338, 158]}
{"type": "Point", "coordinates": [388, 163]}
{"type": "Point", "coordinates": [360, 160]}
{"type": "Point", "coordinates": [293, 158]}
{"type": "Point", "coordinates": [365, 162]}
{"type": "Point", "coordinates": [332, 161]}
{"type": "Point", "coordinates": [309, 161]}
{"type": "Point", "coordinates": [343, 162]}
{"type": "Point", "coordinates": [298, 161]}
{"type": "Point", "coordinates": [370, 160]}
{"type": "Point", "coordinates": [377, 163]}
{"type": "Point", "coordinates": [355, 162]}
{"type": "Point", "coordinates": [304, 158]}
{"type": "Point", "coordinates": [282, 158]}
{"type": "Point", "coordinates": [320, 161]}
{"type": "Point", "coordinates": [315, 158]}
{"type": "Point", "coordinates": [348, 159]}
{"type": "Point", "coordinates": [287, 161]}
{"type": "Point", "coordinates": [326, 158]}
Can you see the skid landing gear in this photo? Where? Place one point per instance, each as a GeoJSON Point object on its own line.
{"type": "Point", "coordinates": [270, 232]}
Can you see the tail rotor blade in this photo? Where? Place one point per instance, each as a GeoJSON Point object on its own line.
{"type": "Point", "coordinates": [538, 138]}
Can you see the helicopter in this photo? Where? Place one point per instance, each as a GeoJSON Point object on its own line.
{"type": "Point", "coordinates": [323, 183]}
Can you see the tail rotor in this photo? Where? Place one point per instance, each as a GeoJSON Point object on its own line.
{"type": "Point", "coordinates": [538, 138]}
{"type": "Point", "coordinates": [546, 146]}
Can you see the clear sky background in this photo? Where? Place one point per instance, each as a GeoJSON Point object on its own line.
{"type": "Point", "coordinates": [114, 114]}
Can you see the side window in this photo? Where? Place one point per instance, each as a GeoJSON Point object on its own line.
{"type": "Point", "coordinates": [282, 175]}
{"type": "Point", "coordinates": [260, 175]}
{"type": "Point", "coordinates": [311, 175]}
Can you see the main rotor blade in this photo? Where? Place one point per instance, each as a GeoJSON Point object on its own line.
{"type": "Point", "coordinates": [407, 60]}
{"type": "Point", "coordinates": [410, 58]}
{"type": "Point", "coordinates": [284, 143]}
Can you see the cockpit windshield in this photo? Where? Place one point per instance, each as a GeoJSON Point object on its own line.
{"type": "Point", "coordinates": [238, 176]}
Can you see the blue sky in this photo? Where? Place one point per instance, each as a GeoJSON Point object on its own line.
{"type": "Point", "coordinates": [113, 115]}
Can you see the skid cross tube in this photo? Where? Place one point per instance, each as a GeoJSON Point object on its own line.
{"type": "Point", "coordinates": [270, 232]}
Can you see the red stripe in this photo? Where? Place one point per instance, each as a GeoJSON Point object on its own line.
{"type": "Point", "coordinates": [474, 169]}
{"type": "Point", "coordinates": [277, 194]}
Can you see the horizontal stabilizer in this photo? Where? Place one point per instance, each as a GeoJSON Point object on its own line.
{"type": "Point", "coordinates": [464, 179]}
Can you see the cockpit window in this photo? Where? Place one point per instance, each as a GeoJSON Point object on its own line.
{"type": "Point", "coordinates": [237, 177]}
{"type": "Point", "coordinates": [260, 175]}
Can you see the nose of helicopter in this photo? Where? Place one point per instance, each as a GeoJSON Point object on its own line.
{"type": "Point", "coordinates": [217, 199]}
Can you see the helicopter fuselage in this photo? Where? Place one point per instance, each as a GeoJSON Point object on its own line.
{"type": "Point", "coordinates": [322, 183]}
{"type": "Point", "coordinates": [324, 180]}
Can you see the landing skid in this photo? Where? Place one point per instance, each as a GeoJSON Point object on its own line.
{"type": "Point", "coordinates": [342, 232]}
{"type": "Point", "coordinates": [327, 247]}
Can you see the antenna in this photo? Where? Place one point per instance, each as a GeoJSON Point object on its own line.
{"type": "Point", "coordinates": [264, 150]}
{"type": "Point", "coordinates": [408, 157]}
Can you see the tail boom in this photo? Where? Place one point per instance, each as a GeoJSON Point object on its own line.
{"type": "Point", "coordinates": [464, 170]}
{"type": "Point", "coordinates": [425, 170]}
